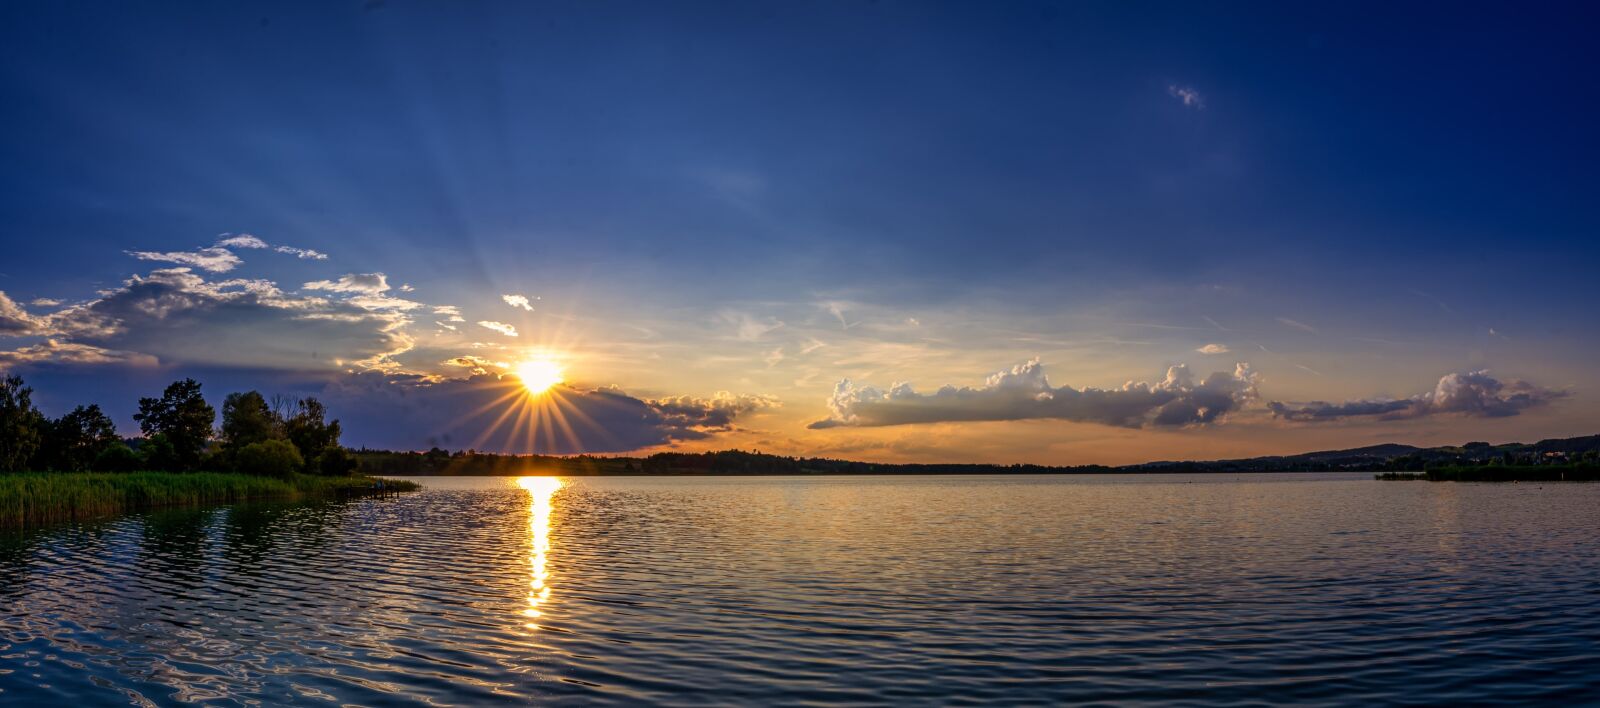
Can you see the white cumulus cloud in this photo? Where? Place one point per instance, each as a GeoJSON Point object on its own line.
{"type": "Point", "coordinates": [500, 327]}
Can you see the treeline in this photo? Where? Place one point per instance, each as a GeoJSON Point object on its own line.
{"type": "Point", "coordinates": [278, 440]}
{"type": "Point", "coordinates": [471, 463]}
{"type": "Point", "coordinates": [1576, 472]}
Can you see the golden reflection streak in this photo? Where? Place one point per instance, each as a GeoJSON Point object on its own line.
{"type": "Point", "coordinates": [541, 493]}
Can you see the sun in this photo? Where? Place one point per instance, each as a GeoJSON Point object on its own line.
{"type": "Point", "coordinates": [538, 375]}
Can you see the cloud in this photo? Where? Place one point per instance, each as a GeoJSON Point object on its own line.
{"type": "Point", "coordinates": [1297, 325]}
{"type": "Point", "coordinates": [476, 364]}
{"type": "Point", "coordinates": [1474, 395]}
{"type": "Point", "coordinates": [687, 413]}
{"type": "Point", "coordinates": [747, 327]}
{"type": "Point", "coordinates": [71, 353]}
{"type": "Point", "coordinates": [303, 253]}
{"type": "Point", "coordinates": [500, 327]}
{"type": "Point", "coordinates": [773, 357]}
{"type": "Point", "coordinates": [48, 302]}
{"type": "Point", "coordinates": [1190, 97]}
{"type": "Point", "coordinates": [15, 321]}
{"type": "Point", "coordinates": [451, 313]}
{"type": "Point", "coordinates": [241, 241]}
{"type": "Point", "coordinates": [176, 316]}
{"type": "Point", "coordinates": [214, 259]}
{"type": "Point", "coordinates": [370, 283]}
{"type": "Point", "coordinates": [1213, 348]}
{"type": "Point", "coordinates": [407, 411]}
{"type": "Point", "coordinates": [1024, 393]}
{"type": "Point", "coordinates": [383, 302]}
{"type": "Point", "coordinates": [837, 309]}
{"type": "Point", "coordinates": [518, 301]}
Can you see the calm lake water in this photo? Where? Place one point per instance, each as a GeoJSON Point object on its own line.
{"type": "Point", "coordinates": [758, 591]}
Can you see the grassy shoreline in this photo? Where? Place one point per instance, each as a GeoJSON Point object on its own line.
{"type": "Point", "coordinates": [29, 499]}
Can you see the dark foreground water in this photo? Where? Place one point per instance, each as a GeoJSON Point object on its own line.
{"type": "Point", "coordinates": [759, 591]}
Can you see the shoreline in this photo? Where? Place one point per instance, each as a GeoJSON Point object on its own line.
{"type": "Point", "coordinates": [35, 499]}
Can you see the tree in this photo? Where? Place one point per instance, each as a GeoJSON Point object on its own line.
{"type": "Point", "coordinates": [269, 458]}
{"type": "Point", "coordinates": [20, 425]}
{"type": "Point", "coordinates": [156, 453]}
{"type": "Point", "coordinates": [73, 441]}
{"type": "Point", "coordinates": [116, 457]}
{"type": "Point", "coordinates": [183, 417]}
{"type": "Point", "coordinates": [335, 461]}
{"type": "Point", "coordinates": [307, 430]}
{"type": "Point", "coordinates": [246, 419]}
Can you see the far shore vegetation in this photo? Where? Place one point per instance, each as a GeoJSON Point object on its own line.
{"type": "Point", "coordinates": [77, 467]}
{"type": "Point", "coordinates": [1578, 472]}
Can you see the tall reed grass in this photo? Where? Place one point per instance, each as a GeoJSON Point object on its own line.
{"type": "Point", "coordinates": [38, 498]}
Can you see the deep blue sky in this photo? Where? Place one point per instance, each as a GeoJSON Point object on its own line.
{"type": "Point", "coordinates": [1416, 174]}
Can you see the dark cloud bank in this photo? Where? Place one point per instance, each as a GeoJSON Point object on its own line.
{"type": "Point", "coordinates": [1024, 393]}
{"type": "Point", "coordinates": [406, 411]}
{"type": "Point", "coordinates": [1475, 394]}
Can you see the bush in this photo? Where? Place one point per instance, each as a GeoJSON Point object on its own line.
{"type": "Point", "coordinates": [335, 462]}
{"type": "Point", "coordinates": [116, 457]}
{"type": "Point", "coordinates": [270, 458]}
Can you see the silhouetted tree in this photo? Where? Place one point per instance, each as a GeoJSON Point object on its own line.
{"type": "Point", "coordinates": [73, 441]}
{"type": "Point", "coordinates": [21, 425]}
{"type": "Point", "coordinates": [182, 416]}
{"type": "Point", "coordinates": [335, 461]}
{"type": "Point", "coordinates": [246, 419]}
{"type": "Point", "coordinates": [308, 430]}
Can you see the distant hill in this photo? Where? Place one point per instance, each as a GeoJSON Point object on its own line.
{"type": "Point", "coordinates": [1373, 458]}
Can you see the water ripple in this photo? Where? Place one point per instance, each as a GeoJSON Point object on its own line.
{"type": "Point", "coordinates": [947, 591]}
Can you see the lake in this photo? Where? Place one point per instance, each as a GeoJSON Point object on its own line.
{"type": "Point", "coordinates": [1202, 589]}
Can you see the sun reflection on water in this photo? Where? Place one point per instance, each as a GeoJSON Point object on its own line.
{"type": "Point", "coordinates": [541, 492]}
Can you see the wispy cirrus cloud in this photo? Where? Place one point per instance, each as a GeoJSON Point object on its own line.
{"type": "Point", "coordinates": [1296, 325]}
{"type": "Point", "coordinates": [368, 283]}
{"type": "Point", "coordinates": [214, 259]}
{"type": "Point", "coordinates": [748, 327]}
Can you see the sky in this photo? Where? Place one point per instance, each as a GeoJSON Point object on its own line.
{"type": "Point", "coordinates": [1059, 233]}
